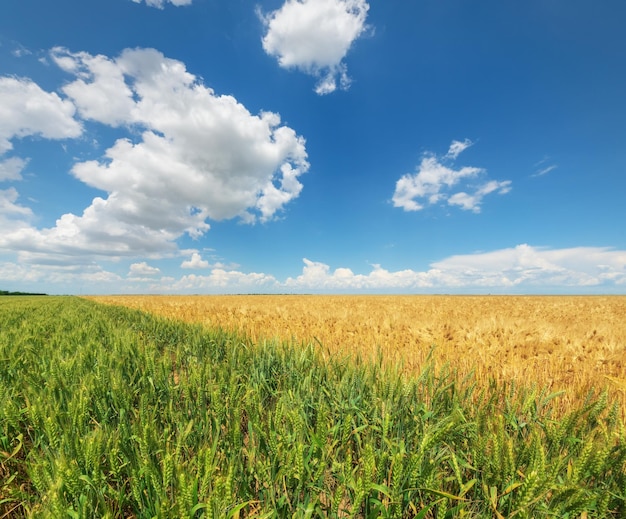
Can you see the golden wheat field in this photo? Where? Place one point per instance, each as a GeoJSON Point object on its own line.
{"type": "Point", "coordinates": [575, 343]}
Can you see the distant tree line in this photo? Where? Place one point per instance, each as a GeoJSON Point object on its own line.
{"type": "Point", "coordinates": [7, 293]}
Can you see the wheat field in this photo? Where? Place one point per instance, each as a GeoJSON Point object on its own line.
{"type": "Point", "coordinates": [106, 411]}
{"type": "Point", "coordinates": [571, 343]}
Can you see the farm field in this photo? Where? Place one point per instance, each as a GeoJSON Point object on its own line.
{"type": "Point", "coordinates": [108, 411]}
{"type": "Point", "coordinates": [570, 343]}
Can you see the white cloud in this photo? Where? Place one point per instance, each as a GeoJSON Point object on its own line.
{"type": "Point", "coordinates": [8, 197]}
{"type": "Point", "coordinates": [318, 277]}
{"type": "Point", "coordinates": [543, 167]}
{"type": "Point", "coordinates": [47, 277]}
{"type": "Point", "coordinates": [100, 93]}
{"type": "Point", "coordinates": [199, 150]}
{"type": "Point", "coordinates": [435, 180]}
{"type": "Point", "coordinates": [13, 216]}
{"type": "Point", "coordinates": [159, 4]}
{"type": "Point", "coordinates": [11, 168]}
{"type": "Point", "coordinates": [472, 202]}
{"type": "Point", "coordinates": [20, 51]}
{"type": "Point", "coordinates": [314, 36]}
{"type": "Point", "coordinates": [196, 262]}
{"type": "Point", "coordinates": [14, 272]}
{"type": "Point", "coordinates": [458, 147]}
{"type": "Point", "coordinates": [143, 269]}
{"type": "Point", "coordinates": [545, 171]}
{"type": "Point", "coordinates": [525, 265]}
{"type": "Point", "coordinates": [97, 233]}
{"type": "Point", "coordinates": [224, 281]}
{"type": "Point", "coordinates": [199, 156]}
{"type": "Point", "coordinates": [26, 109]}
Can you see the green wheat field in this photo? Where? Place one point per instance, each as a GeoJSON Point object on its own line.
{"type": "Point", "coordinates": [111, 412]}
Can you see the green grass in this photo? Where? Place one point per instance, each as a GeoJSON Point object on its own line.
{"type": "Point", "coordinates": [109, 412]}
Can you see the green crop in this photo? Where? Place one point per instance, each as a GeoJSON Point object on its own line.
{"type": "Point", "coordinates": [110, 412]}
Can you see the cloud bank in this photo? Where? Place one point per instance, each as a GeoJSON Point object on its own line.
{"type": "Point", "coordinates": [436, 181]}
{"type": "Point", "coordinates": [520, 269]}
{"type": "Point", "coordinates": [523, 267]}
{"type": "Point", "coordinates": [314, 36]}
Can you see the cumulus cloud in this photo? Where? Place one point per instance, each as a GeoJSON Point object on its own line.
{"type": "Point", "coordinates": [26, 109]}
{"type": "Point", "coordinates": [143, 269]}
{"type": "Point", "coordinates": [191, 155]}
{"type": "Point", "coordinates": [314, 36]}
{"type": "Point", "coordinates": [199, 150]}
{"type": "Point", "coordinates": [100, 91]}
{"type": "Point", "coordinates": [96, 233]}
{"type": "Point", "coordinates": [436, 181]}
{"type": "Point", "coordinates": [196, 262]}
{"type": "Point", "coordinates": [160, 4]}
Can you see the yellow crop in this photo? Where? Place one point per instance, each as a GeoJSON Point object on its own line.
{"type": "Point", "coordinates": [576, 343]}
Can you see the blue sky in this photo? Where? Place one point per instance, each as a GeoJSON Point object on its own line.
{"type": "Point", "coordinates": [205, 146]}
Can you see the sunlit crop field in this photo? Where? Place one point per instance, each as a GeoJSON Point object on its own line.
{"type": "Point", "coordinates": [573, 343]}
{"type": "Point", "coordinates": [106, 411]}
